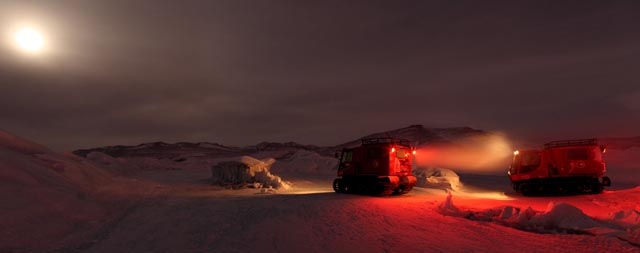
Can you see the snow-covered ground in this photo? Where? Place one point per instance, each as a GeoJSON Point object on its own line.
{"type": "Point", "coordinates": [185, 213]}
{"type": "Point", "coordinates": [63, 203]}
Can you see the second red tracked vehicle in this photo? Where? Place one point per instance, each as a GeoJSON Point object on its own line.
{"type": "Point", "coordinates": [562, 167]}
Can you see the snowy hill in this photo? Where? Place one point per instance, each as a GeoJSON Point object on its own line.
{"type": "Point", "coordinates": [35, 160]}
{"type": "Point", "coordinates": [36, 183]}
{"type": "Point", "coordinates": [420, 135]}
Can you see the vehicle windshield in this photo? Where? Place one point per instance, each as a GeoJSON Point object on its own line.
{"type": "Point", "coordinates": [529, 162]}
{"type": "Point", "coordinates": [402, 153]}
{"type": "Point", "coordinates": [530, 159]}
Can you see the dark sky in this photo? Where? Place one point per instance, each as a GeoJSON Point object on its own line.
{"type": "Point", "coordinates": [320, 72]}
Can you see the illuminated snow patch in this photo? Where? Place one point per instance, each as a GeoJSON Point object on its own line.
{"type": "Point", "coordinates": [558, 218]}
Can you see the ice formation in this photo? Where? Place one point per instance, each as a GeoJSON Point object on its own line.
{"type": "Point", "coordinates": [247, 171]}
{"type": "Point", "coordinates": [437, 178]}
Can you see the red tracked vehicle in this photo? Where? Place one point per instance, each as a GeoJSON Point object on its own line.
{"type": "Point", "coordinates": [562, 167]}
{"type": "Point", "coordinates": [380, 166]}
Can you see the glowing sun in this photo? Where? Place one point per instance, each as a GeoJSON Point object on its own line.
{"type": "Point", "coordinates": [29, 40]}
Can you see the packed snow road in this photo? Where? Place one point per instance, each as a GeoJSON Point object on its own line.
{"type": "Point", "coordinates": [179, 212]}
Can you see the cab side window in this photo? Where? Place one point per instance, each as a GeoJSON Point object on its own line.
{"type": "Point", "coordinates": [347, 157]}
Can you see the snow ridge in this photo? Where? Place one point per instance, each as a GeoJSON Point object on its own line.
{"type": "Point", "coordinates": [558, 218]}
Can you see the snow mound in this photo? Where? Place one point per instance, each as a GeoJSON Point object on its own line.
{"type": "Point", "coordinates": [557, 218]}
{"type": "Point", "coordinates": [564, 216]}
{"type": "Point", "coordinates": [247, 171]}
{"type": "Point", "coordinates": [439, 178]}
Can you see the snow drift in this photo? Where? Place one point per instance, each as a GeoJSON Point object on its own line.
{"type": "Point", "coordinates": [247, 171]}
{"type": "Point", "coordinates": [558, 217]}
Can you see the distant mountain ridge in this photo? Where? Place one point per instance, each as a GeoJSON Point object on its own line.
{"type": "Point", "coordinates": [161, 149]}
{"type": "Point", "coordinates": [417, 134]}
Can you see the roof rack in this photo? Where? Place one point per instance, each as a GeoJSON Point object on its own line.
{"type": "Point", "coordinates": [384, 140]}
{"type": "Point", "coordinates": [569, 143]}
